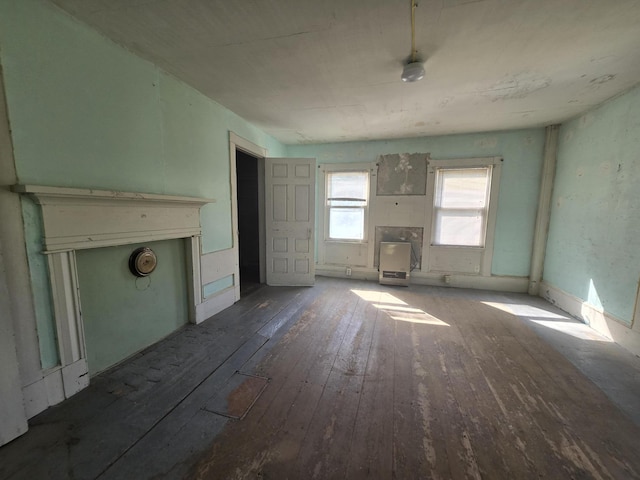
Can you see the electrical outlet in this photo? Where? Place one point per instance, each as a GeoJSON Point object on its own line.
{"type": "Point", "coordinates": [348, 271]}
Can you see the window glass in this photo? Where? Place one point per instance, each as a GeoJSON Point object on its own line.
{"type": "Point", "coordinates": [463, 188]}
{"type": "Point", "coordinates": [347, 188]}
{"type": "Point", "coordinates": [347, 198]}
{"type": "Point", "coordinates": [460, 206]}
{"type": "Point", "coordinates": [346, 223]}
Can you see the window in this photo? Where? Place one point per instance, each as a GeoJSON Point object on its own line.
{"type": "Point", "coordinates": [346, 203]}
{"type": "Point", "coordinates": [461, 206]}
{"type": "Point", "coordinates": [464, 197]}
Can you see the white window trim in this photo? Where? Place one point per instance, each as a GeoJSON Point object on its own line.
{"type": "Point", "coordinates": [323, 216]}
{"type": "Point", "coordinates": [483, 212]}
{"type": "Point", "coordinates": [461, 163]}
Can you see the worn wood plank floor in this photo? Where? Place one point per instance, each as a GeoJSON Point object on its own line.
{"type": "Point", "coordinates": [379, 382]}
{"type": "Point", "coordinates": [366, 381]}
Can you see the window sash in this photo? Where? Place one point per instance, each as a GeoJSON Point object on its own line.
{"type": "Point", "coordinates": [346, 223]}
{"type": "Point", "coordinates": [449, 226]}
{"type": "Point", "coordinates": [346, 216]}
{"type": "Point", "coordinates": [342, 191]}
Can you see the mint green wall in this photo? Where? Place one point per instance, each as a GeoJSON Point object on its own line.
{"type": "Point", "coordinates": [593, 251]}
{"type": "Point", "coordinates": [86, 113]}
{"type": "Point", "coordinates": [148, 308]}
{"type": "Point", "coordinates": [519, 186]}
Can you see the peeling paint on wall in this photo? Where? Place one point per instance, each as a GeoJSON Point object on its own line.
{"type": "Point", "coordinates": [402, 174]}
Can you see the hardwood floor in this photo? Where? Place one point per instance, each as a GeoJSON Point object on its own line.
{"type": "Point", "coordinates": [378, 382]}
{"type": "Point", "coordinates": [365, 381]}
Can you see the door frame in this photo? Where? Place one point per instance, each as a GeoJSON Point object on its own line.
{"type": "Point", "coordinates": [236, 142]}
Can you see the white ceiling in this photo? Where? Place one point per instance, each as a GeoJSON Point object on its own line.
{"type": "Point", "coordinates": [312, 71]}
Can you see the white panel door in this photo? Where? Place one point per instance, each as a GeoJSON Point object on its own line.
{"type": "Point", "coordinates": [290, 220]}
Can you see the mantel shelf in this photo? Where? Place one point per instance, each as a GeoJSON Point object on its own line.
{"type": "Point", "coordinates": [42, 193]}
{"type": "Point", "coordinates": [77, 218]}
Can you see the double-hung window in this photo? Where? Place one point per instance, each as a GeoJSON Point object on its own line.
{"type": "Point", "coordinates": [461, 206]}
{"type": "Point", "coordinates": [464, 193]}
{"type": "Point", "coordinates": [347, 201]}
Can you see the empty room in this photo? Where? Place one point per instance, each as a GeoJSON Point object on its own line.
{"type": "Point", "coordinates": [278, 239]}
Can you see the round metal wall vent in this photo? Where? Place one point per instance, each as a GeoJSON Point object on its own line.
{"type": "Point", "coordinates": [142, 262]}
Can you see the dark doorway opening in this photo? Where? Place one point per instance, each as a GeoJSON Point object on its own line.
{"type": "Point", "coordinates": [248, 189]}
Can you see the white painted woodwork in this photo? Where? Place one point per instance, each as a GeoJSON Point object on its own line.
{"type": "Point", "coordinates": [215, 304]}
{"type": "Point", "coordinates": [346, 253]}
{"type": "Point", "coordinates": [81, 218]}
{"type": "Point", "coordinates": [262, 229]}
{"type": "Point", "coordinates": [237, 142]}
{"type": "Point", "coordinates": [541, 230]}
{"type": "Point", "coordinates": [352, 253]}
{"type": "Point", "coordinates": [19, 350]}
{"type": "Point", "coordinates": [13, 418]}
{"type": "Point", "coordinates": [54, 386]}
{"type": "Point", "coordinates": [454, 259]}
{"type": "Point", "coordinates": [217, 265]}
{"type": "Point", "coordinates": [75, 377]}
{"type": "Point", "coordinates": [601, 321]}
{"type": "Point", "coordinates": [412, 211]}
{"type": "Point", "coordinates": [635, 323]}
{"type": "Point", "coordinates": [193, 251]}
{"type": "Point", "coordinates": [288, 66]}
{"type": "Point", "coordinates": [66, 305]}
{"type": "Point", "coordinates": [447, 259]}
{"type": "Point", "coordinates": [21, 303]}
{"type": "Point", "coordinates": [290, 220]}
{"type": "Point", "coordinates": [501, 283]}
{"type": "Point", "coordinates": [399, 210]}
{"type": "Point", "coordinates": [35, 397]}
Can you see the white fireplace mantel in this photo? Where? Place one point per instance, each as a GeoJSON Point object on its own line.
{"type": "Point", "coordinates": [76, 219]}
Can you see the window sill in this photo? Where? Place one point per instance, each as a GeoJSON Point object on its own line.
{"type": "Point", "coordinates": [348, 242]}
{"type": "Point", "coordinates": [461, 247]}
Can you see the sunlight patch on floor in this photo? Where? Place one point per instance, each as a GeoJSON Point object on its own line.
{"type": "Point", "coordinates": [378, 297]}
{"type": "Point", "coordinates": [394, 307]}
{"type": "Point", "coordinates": [523, 310]}
{"type": "Point", "coordinates": [577, 330]}
{"type": "Point", "coordinates": [558, 322]}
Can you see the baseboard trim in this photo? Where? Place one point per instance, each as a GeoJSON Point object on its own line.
{"type": "Point", "coordinates": [55, 385]}
{"type": "Point", "coordinates": [338, 271]}
{"type": "Point", "coordinates": [497, 283]}
{"type": "Point", "coordinates": [601, 321]}
{"type": "Point", "coordinates": [43, 393]}
{"type": "Point", "coordinates": [478, 282]}
{"type": "Point", "coordinates": [215, 304]}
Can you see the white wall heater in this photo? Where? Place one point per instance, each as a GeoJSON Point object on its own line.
{"type": "Point", "coordinates": [395, 263]}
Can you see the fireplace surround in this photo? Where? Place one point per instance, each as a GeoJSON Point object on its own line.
{"type": "Point", "coordinates": [76, 219]}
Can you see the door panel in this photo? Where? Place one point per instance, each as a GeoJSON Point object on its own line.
{"type": "Point", "coordinates": [290, 213]}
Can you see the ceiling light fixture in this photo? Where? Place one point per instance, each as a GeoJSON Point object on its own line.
{"type": "Point", "coordinates": [413, 71]}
